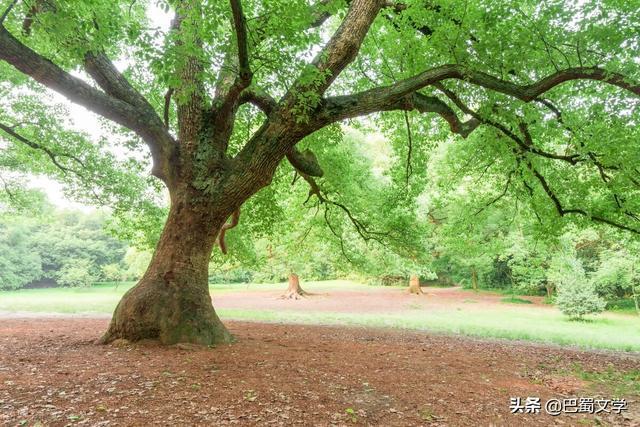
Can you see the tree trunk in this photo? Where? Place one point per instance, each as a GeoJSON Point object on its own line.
{"type": "Point", "coordinates": [474, 279]}
{"type": "Point", "coordinates": [549, 287]}
{"type": "Point", "coordinates": [171, 303]}
{"type": "Point", "coordinates": [294, 291]}
{"type": "Point", "coordinates": [414, 285]}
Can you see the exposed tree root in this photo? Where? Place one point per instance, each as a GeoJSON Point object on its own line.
{"type": "Point", "coordinates": [294, 291]}
{"type": "Point", "coordinates": [414, 286]}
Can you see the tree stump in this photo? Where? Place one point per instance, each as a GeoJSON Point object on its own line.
{"type": "Point", "coordinates": [414, 285]}
{"type": "Point", "coordinates": [294, 291]}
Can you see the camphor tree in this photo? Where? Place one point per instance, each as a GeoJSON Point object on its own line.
{"type": "Point", "coordinates": [228, 91]}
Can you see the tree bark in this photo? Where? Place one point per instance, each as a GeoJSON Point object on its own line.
{"type": "Point", "coordinates": [474, 279]}
{"type": "Point", "coordinates": [549, 287]}
{"type": "Point", "coordinates": [294, 291]}
{"type": "Point", "coordinates": [414, 285]}
{"type": "Point", "coordinates": [171, 303]}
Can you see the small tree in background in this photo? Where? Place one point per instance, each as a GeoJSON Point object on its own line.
{"type": "Point", "coordinates": [578, 299]}
{"type": "Point", "coordinates": [76, 273]}
{"type": "Point", "coordinates": [577, 296]}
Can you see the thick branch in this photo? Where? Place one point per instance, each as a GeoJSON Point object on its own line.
{"type": "Point", "coordinates": [167, 107]}
{"type": "Point", "coordinates": [242, 41]}
{"type": "Point", "coordinates": [305, 162]}
{"type": "Point", "coordinates": [343, 47]}
{"type": "Point", "coordinates": [235, 218]}
{"type": "Point", "coordinates": [229, 99]}
{"type": "Point", "coordinates": [259, 98]}
{"type": "Point", "coordinates": [76, 90]}
{"type": "Point", "coordinates": [376, 99]}
{"type": "Point", "coordinates": [344, 107]}
{"type": "Point", "coordinates": [102, 70]}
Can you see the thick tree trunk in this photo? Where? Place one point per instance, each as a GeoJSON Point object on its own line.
{"type": "Point", "coordinates": [171, 303]}
{"type": "Point", "coordinates": [414, 285]}
{"type": "Point", "coordinates": [294, 291]}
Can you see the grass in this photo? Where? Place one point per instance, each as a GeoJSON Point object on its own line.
{"type": "Point", "coordinates": [515, 300]}
{"type": "Point", "coordinates": [611, 331]}
{"type": "Point", "coordinates": [617, 383]}
{"type": "Point", "coordinates": [102, 298]}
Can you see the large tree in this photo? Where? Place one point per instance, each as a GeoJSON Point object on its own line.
{"type": "Point", "coordinates": [549, 89]}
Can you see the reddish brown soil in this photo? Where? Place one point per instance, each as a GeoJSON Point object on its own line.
{"type": "Point", "coordinates": [52, 372]}
{"type": "Point", "coordinates": [370, 300]}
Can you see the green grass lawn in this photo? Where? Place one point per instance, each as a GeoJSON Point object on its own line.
{"type": "Point", "coordinates": [608, 331]}
{"type": "Point", "coordinates": [522, 322]}
{"type": "Point", "coordinates": [102, 298]}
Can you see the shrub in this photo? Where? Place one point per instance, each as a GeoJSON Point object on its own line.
{"type": "Point", "coordinates": [578, 298]}
{"type": "Point", "coordinates": [76, 273]}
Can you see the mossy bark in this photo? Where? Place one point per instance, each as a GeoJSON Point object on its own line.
{"type": "Point", "coordinates": [171, 303]}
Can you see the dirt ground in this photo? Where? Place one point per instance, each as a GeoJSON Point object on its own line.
{"type": "Point", "coordinates": [52, 373]}
{"type": "Point", "coordinates": [371, 300]}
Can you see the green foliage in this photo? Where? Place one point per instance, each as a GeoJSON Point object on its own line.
{"type": "Point", "coordinates": [113, 273]}
{"type": "Point", "coordinates": [55, 247]}
{"type": "Point", "coordinates": [577, 296]}
{"type": "Point", "coordinates": [136, 262]}
{"type": "Point", "coordinates": [19, 264]}
{"type": "Point", "coordinates": [618, 272]}
{"type": "Point", "coordinates": [76, 273]}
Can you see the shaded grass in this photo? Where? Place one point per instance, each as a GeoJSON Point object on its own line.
{"type": "Point", "coordinates": [515, 300]}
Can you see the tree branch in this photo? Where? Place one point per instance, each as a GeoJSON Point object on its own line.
{"type": "Point", "coordinates": [377, 99]}
{"type": "Point", "coordinates": [167, 107]}
{"type": "Point", "coordinates": [240, 23]}
{"type": "Point", "coordinates": [345, 107]}
{"type": "Point", "coordinates": [365, 233]}
{"type": "Point", "coordinates": [562, 211]}
{"type": "Point", "coordinates": [305, 162]}
{"type": "Point", "coordinates": [9, 130]}
{"type": "Point", "coordinates": [229, 100]}
{"type": "Point", "coordinates": [235, 218]}
{"type": "Point", "coordinates": [341, 49]}
{"type": "Point", "coordinates": [526, 145]}
{"type": "Point", "coordinates": [259, 98]}
{"type": "Point", "coordinates": [143, 123]}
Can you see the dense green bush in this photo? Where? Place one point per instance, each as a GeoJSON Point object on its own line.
{"type": "Point", "coordinates": [61, 247]}
{"type": "Point", "coordinates": [579, 298]}
{"type": "Point", "coordinates": [76, 273]}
